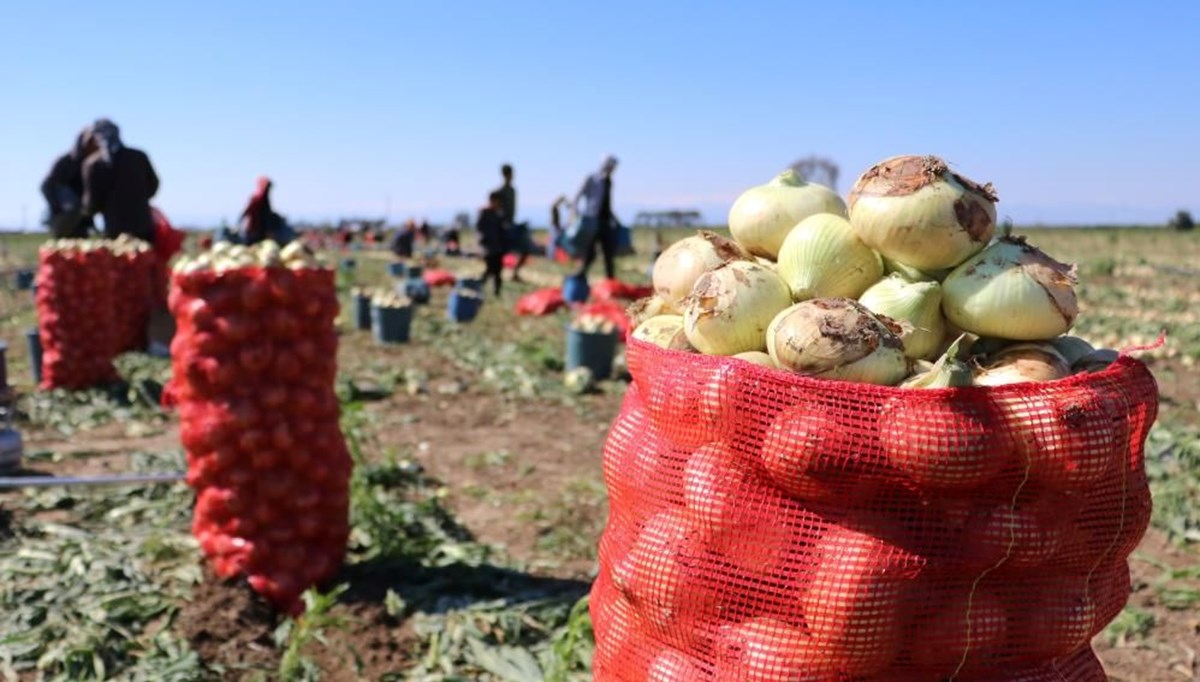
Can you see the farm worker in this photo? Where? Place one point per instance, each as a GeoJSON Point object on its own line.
{"type": "Point", "coordinates": [492, 237]}
{"type": "Point", "coordinates": [556, 226]}
{"type": "Point", "coordinates": [63, 189]}
{"type": "Point", "coordinates": [259, 221]}
{"type": "Point", "coordinates": [597, 189]}
{"type": "Point", "coordinates": [118, 183]}
{"type": "Point", "coordinates": [518, 234]}
{"type": "Point", "coordinates": [402, 242]}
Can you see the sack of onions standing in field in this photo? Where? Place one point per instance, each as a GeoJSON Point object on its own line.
{"type": "Point", "coordinates": [254, 363]}
{"type": "Point", "coordinates": [839, 461]}
{"type": "Point", "coordinates": [76, 293]}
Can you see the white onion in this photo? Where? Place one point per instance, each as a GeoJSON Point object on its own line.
{"type": "Point", "coordinates": [664, 331]}
{"type": "Point", "coordinates": [1011, 290]}
{"type": "Point", "coordinates": [757, 357]}
{"type": "Point", "coordinates": [1023, 362]}
{"type": "Point", "coordinates": [678, 268]}
{"type": "Point", "coordinates": [645, 308]}
{"type": "Point", "coordinates": [730, 307]}
{"type": "Point", "coordinates": [917, 306]}
{"type": "Point", "coordinates": [837, 338]}
{"type": "Point", "coordinates": [762, 216]}
{"type": "Point", "coordinates": [823, 258]}
{"type": "Point", "coordinates": [914, 210]}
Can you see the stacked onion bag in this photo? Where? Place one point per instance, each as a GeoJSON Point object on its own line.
{"type": "Point", "coordinates": [819, 496]}
{"type": "Point", "coordinates": [254, 365]}
{"type": "Point", "coordinates": [77, 282]}
{"type": "Point", "coordinates": [137, 287]}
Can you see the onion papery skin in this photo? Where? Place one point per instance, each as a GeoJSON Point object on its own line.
{"type": "Point", "coordinates": [837, 338]}
{"type": "Point", "coordinates": [678, 268]}
{"type": "Point", "coordinates": [762, 216]}
{"type": "Point", "coordinates": [731, 306]}
{"type": "Point", "coordinates": [664, 331]}
{"type": "Point", "coordinates": [915, 211]}
{"type": "Point", "coordinates": [1011, 290]}
{"type": "Point", "coordinates": [823, 258]}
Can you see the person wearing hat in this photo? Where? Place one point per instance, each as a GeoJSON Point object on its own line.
{"type": "Point", "coordinates": [63, 189]}
{"type": "Point", "coordinates": [597, 190]}
{"type": "Point", "coordinates": [259, 220]}
{"type": "Point", "coordinates": [118, 183]}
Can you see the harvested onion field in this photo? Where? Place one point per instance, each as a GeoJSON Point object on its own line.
{"type": "Point", "coordinates": [477, 499]}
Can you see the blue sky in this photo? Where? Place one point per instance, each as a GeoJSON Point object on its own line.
{"type": "Point", "coordinates": [1077, 111]}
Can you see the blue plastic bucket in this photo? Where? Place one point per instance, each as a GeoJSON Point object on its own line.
{"type": "Point", "coordinates": [391, 325]}
{"type": "Point", "coordinates": [462, 308]}
{"type": "Point", "coordinates": [417, 290]}
{"type": "Point", "coordinates": [472, 283]}
{"type": "Point", "coordinates": [576, 289]}
{"type": "Point", "coordinates": [362, 311]}
{"type": "Point", "coordinates": [35, 354]}
{"type": "Point", "coordinates": [397, 270]}
{"type": "Point", "coordinates": [594, 351]}
{"type": "Point", "coordinates": [24, 280]}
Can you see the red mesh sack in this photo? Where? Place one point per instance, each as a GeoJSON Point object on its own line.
{"type": "Point", "coordinates": [615, 289]}
{"type": "Point", "coordinates": [609, 310]}
{"type": "Point", "coordinates": [254, 365]}
{"type": "Point", "coordinates": [541, 302]}
{"type": "Point", "coordinates": [134, 293]}
{"type": "Point", "coordinates": [439, 278]}
{"type": "Point", "coordinates": [79, 335]}
{"type": "Point", "coordinates": [768, 526]}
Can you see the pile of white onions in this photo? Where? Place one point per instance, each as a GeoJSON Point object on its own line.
{"type": "Point", "coordinates": [872, 289]}
{"type": "Point", "coordinates": [224, 256]}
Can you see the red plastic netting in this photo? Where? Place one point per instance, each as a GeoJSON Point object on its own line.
{"type": "Point", "coordinates": [540, 302]}
{"type": "Point", "coordinates": [254, 364]}
{"type": "Point", "coordinates": [78, 333]}
{"type": "Point", "coordinates": [767, 526]}
{"type": "Point", "coordinates": [136, 288]}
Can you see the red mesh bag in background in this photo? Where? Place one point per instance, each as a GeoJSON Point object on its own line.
{"type": "Point", "coordinates": [254, 365]}
{"type": "Point", "coordinates": [541, 302]}
{"type": "Point", "coordinates": [615, 289]}
{"type": "Point", "coordinates": [168, 241]}
{"type": "Point", "coordinates": [768, 526]}
{"type": "Point", "coordinates": [78, 333]}
{"type": "Point", "coordinates": [135, 282]}
{"type": "Point", "coordinates": [439, 278]}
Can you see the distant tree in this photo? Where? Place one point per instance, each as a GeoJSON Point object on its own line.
{"type": "Point", "coordinates": [1182, 221]}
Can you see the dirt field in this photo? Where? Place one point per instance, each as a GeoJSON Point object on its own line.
{"type": "Point", "coordinates": [489, 475]}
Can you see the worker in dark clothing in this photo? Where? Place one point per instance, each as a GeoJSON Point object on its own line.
{"type": "Point", "coordinates": [118, 183]}
{"type": "Point", "coordinates": [63, 189]}
{"type": "Point", "coordinates": [491, 226]}
{"type": "Point", "coordinates": [597, 191]}
{"type": "Point", "coordinates": [259, 220]}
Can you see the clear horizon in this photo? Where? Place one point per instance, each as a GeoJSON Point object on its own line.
{"type": "Point", "coordinates": [1078, 113]}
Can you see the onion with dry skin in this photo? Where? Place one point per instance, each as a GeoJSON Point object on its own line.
{"type": "Point", "coordinates": [1021, 363]}
{"type": "Point", "coordinates": [915, 211]}
{"type": "Point", "coordinates": [664, 331]}
{"type": "Point", "coordinates": [678, 268]}
{"type": "Point", "coordinates": [645, 308]}
{"type": "Point", "coordinates": [837, 338]}
{"type": "Point", "coordinates": [731, 306]}
{"type": "Point", "coordinates": [762, 216]}
{"type": "Point", "coordinates": [1011, 290]}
